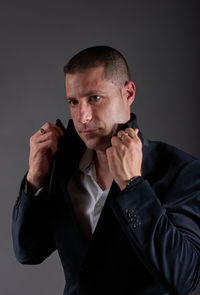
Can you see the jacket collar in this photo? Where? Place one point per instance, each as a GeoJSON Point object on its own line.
{"type": "Point", "coordinates": [71, 147]}
{"type": "Point", "coordinates": [132, 123]}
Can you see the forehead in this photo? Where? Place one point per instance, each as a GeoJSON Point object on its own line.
{"type": "Point", "coordinates": [89, 80]}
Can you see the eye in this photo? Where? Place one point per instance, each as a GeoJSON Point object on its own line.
{"type": "Point", "coordinates": [72, 102]}
{"type": "Point", "coordinates": [95, 98]}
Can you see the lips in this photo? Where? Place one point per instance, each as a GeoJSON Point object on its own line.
{"type": "Point", "coordinates": [89, 131]}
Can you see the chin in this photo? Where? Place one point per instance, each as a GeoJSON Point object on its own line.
{"type": "Point", "coordinates": [98, 144]}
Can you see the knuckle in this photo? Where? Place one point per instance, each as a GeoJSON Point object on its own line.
{"type": "Point", "coordinates": [109, 150]}
{"type": "Point", "coordinates": [113, 153]}
{"type": "Point", "coordinates": [32, 140]}
{"type": "Point", "coordinates": [113, 139]}
{"type": "Point", "coordinates": [47, 125]}
{"type": "Point", "coordinates": [119, 133]}
{"type": "Point", "coordinates": [50, 134]}
{"type": "Point", "coordinates": [130, 144]}
{"type": "Point", "coordinates": [51, 141]}
{"type": "Point", "coordinates": [129, 129]}
{"type": "Point", "coordinates": [122, 147]}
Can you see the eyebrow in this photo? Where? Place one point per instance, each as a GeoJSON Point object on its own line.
{"type": "Point", "coordinates": [89, 93]}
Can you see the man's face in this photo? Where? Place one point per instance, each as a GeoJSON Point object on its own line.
{"type": "Point", "coordinates": [97, 107]}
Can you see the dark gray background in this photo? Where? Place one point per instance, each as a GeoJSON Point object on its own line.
{"type": "Point", "coordinates": [160, 40]}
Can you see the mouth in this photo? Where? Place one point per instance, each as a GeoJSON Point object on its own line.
{"type": "Point", "coordinates": [89, 131]}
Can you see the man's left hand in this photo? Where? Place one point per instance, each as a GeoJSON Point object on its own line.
{"type": "Point", "coordinates": [125, 156]}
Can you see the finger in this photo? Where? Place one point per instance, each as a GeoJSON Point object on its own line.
{"type": "Point", "coordinates": [61, 133]}
{"type": "Point", "coordinates": [109, 152]}
{"type": "Point", "coordinates": [121, 133]}
{"type": "Point", "coordinates": [51, 135]}
{"type": "Point", "coordinates": [124, 137]}
{"type": "Point", "coordinates": [136, 130]}
{"type": "Point", "coordinates": [115, 141]}
{"type": "Point", "coordinates": [47, 132]}
{"type": "Point", "coordinates": [133, 133]}
{"type": "Point", "coordinates": [47, 147]}
{"type": "Point", "coordinates": [48, 127]}
{"type": "Point", "coordinates": [53, 146]}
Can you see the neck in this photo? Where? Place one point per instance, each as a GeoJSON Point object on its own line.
{"type": "Point", "coordinates": [101, 160]}
{"type": "Point", "coordinates": [104, 177]}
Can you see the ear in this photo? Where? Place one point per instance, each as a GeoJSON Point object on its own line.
{"type": "Point", "coordinates": [129, 90]}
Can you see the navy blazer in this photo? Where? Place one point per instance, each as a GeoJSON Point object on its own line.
{"type": "Point", "coordinates": [147, 240]}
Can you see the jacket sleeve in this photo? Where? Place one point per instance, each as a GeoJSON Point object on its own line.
{"type": "Point", "coordinates": [164, 232]}
{"type": "Point", "coordinates": [32, 237]}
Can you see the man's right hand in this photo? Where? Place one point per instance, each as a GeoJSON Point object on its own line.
{"type": "Point", "coordinates": [43, 145]}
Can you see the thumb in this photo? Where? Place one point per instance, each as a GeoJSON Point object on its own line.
{"type": "Point", "coordinates": [136, 131]}
{"type": "Point", "coordinates": [108, 152]}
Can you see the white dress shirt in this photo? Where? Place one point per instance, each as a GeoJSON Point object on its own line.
{"type": "Point", "coordinates": [86, 195]}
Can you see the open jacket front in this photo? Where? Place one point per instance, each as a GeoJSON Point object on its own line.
{"type": "Point", "coordinates": [147, 240]}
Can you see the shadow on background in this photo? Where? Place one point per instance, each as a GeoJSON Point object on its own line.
{"type": "Point", "coordinates": [160, 40]}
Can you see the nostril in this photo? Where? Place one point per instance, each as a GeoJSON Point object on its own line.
{"type": "Point", "coordinates": [85, 114]}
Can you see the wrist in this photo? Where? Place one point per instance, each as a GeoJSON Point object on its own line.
{"type": "Point", "coordinates": [128, 183]}
{"type": "Point", "coordinates": [34, 183]}
{"type": "Point", "coordinates": [133, 181]}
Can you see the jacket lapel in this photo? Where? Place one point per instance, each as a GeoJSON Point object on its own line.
{"type": "Point", "coordinates": [67, 158]}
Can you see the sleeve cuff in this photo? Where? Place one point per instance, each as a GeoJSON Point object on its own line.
{"type": "Point", "coordinates": [37, 193]}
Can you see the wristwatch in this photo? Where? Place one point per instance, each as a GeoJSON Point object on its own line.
{"type": "Point", "coordinates": [134, 180]}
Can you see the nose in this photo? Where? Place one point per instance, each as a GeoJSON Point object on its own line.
{"type": "Point", "coordinates": [84, 113]}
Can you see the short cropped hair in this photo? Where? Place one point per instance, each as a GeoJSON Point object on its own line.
{"type": "Point", "coordinates": [113, 62]}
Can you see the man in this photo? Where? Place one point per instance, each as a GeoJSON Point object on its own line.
{"type": "Point", "coordinates": [123, 212]}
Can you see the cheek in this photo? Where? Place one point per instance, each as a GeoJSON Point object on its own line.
{"type": "Point", "coordinates": [74, 119]}
{"type": "Point", "coordinates": [109, 121]}
{"type": "Point", "coordinates": [110, 114]}
{"type": "Point", "coordinates": [73, 114]}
